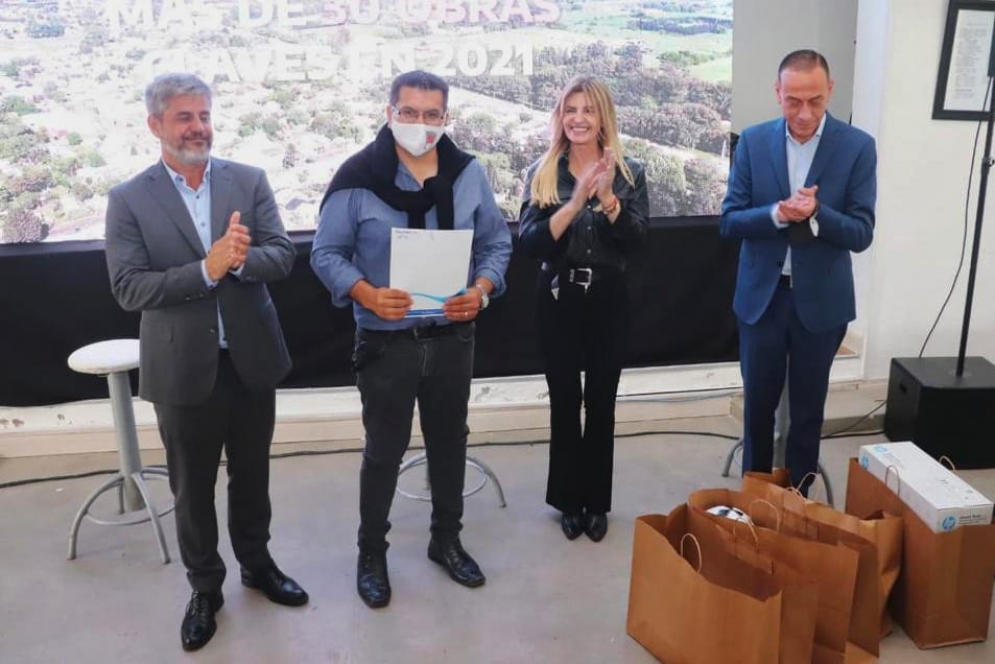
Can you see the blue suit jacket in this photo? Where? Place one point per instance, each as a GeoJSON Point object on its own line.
{"type": "Point", "coordinates": [844, 167]}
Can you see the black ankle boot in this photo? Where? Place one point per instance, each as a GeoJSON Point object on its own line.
{"type": "Point", "coordinates": [572, 524]}
{"type": "Point", "coordinates": [597, 526]}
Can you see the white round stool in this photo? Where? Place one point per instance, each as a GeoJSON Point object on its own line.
{"type": "Point", "coordinates": [114, 359]}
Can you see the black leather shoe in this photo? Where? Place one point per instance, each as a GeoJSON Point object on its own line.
{"type": "Point", "coordinates": [572, 525]}
{"type": "Point", "coordinates": [461, 567]}
{"type": "Point", "coordinates": [277, 586]}
{"type": "Point", "coordinates": [372, 582]}
{"type": "Point", "coordinates": [198, 622]}
{"type": "Point", "coordinates": [597, 526]}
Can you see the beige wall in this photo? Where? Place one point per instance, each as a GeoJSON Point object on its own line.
{"type": "Point", "coordinates": [923, 171]}
{"type": "Point", "coordinates": [761, 37]}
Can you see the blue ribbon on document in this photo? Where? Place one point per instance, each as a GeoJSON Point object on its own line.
{"type": "Point", "coordinates": [435, 298]}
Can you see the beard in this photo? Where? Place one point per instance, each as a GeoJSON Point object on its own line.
{"type": "Point", "coordinates": [187, 154]}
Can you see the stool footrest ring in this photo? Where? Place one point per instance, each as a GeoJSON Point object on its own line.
{"type": "Point", "coordinates": [150, 512]}
{"type": "Point", "coordinates": [484, 470]}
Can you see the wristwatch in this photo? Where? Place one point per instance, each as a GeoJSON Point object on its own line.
{"type": "Point", "coordinates": [484, 297]}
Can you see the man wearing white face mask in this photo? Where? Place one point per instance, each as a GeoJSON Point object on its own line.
{"type": "Point", "coordinates": [411, 176]}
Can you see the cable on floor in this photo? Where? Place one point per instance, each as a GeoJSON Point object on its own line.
{"type": "Point", "coordinates": [354, 450]}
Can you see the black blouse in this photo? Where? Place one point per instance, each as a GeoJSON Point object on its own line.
{"type": "Point", "coordinates": [591, 240]}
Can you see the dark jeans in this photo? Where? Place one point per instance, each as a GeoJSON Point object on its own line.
{"type": "Point", "coordinates": [394, 370]}
{"type": "Point", "coordinates": [241, 422]}
{"type": "Point", "coordinates": [778, 345]}
{"type": "Point", "coordinates": [578, 332]}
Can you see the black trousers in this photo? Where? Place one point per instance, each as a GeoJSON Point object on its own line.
{"type": "Point", "coordinates": [582, 331]}
{"type": "Point", "coordinates": [394, 370]}
{"type": "Point", "coordinates": [241, 422]}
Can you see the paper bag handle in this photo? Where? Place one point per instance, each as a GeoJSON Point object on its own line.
{"type": "Point", "coordinates": [801, 483]}
{"type": "Point", "coordinates": [809, 522]}
{"type": "Point", "coordinates": [950, 464]}
{"type": "Point", "coordinates": [697, 545]}
{"type": "Point", "coordinates": [773, 508]}
{"type": "Point", "coordinates": [756, 538]}
{"type": "Point", "coordinates": [769, 567]}
{"type": "Point", "coordinates": [898, 476]}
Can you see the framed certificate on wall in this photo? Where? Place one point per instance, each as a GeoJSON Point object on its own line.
{"type": "Point", "coordinates": [963, 87]}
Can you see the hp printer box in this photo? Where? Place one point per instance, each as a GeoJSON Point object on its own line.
{"type": "Point", "coordinates": [937, 496]}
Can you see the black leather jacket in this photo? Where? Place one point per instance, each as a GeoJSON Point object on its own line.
{"type": "Point", "coordinates": [591, 240]}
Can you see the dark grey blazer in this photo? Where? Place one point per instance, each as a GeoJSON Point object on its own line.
{"type": "Point", "coordinates": [153, 257]}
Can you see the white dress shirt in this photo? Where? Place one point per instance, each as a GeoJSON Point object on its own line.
{"type": "Point", "coordinates": [800, 156]}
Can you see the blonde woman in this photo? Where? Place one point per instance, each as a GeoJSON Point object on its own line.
{"type": "Point", "coordinates": [585, 210]}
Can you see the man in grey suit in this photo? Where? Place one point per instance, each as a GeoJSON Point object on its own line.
{"type": "Point", "coordinates": [191, 243]}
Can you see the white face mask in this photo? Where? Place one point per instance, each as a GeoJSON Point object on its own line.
{"type": "Point", "coordinates": [416, 138]}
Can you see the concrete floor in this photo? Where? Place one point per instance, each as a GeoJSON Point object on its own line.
{"type": "Point", "coordinates": [546, 599]}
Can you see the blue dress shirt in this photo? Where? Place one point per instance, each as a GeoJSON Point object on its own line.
{"type": "Point", "coordinates": [198, 202]}
{"type": "Point", "coordinates": [800, 157]}
{"type": "Point", "coordinates": [353, 240]}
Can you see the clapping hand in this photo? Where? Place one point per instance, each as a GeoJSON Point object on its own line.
{"type": "Point", "coordinates": [586, 184]}
{"type": "Point", "coordinates": [605, 182]}
{"type": "Point", "coordinates": [239, 241]}
{"type": "Point", "coordinates": [799, 207]}
{"type": "Point", "coordinates": [230, 250]}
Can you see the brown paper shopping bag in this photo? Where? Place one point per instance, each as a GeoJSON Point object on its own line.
{"type": "Point", "coordinates": [864, 629]}
{"type": "Point", "coordinates": [799, 594]}
{"type": "Point", "coordinates": [944, 591]}
{"type": "Point", "coordinates": [831, 564]}
{"type": "Point", "coordinates": [716, 608]}
{"type": "Point", "coordinates": [883, 530]}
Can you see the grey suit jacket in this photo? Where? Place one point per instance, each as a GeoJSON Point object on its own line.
{"type": "Point", "coordinates": [153, 257]}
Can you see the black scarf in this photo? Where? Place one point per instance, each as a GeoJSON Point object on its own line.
{"type": "Point", "coordinates": [375, 167]}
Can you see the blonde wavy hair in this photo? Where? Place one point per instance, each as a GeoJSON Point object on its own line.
{"type": "Point", "coordinates": [544, 190]}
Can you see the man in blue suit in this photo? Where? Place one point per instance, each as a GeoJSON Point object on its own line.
{"type": "Point", "coordinates": [801, 198]}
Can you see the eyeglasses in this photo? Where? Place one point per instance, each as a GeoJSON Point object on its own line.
{"type": "Point", "coordinates": [410, 115]}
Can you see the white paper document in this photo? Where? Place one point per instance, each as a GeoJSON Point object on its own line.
{"type": "Point", "coordinates": [431, 265]}
{"type": "Point", "coordinates": [967, 82]}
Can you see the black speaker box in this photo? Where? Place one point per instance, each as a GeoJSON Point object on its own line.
{"type": "Point", "coordinates": [942, 413]}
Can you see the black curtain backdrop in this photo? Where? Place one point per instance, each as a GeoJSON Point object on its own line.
{"type": "Point", "coordinates": [55, 298]}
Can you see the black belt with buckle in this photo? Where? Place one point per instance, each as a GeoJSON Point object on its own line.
{"type": "Point", "coordinates": [784, 281]}
{"type": "Point", "coordinates": [585, 276]}
{"type": "Point", "coordinates": [582, 276]}
{"type": "Point", "coordinates": [418, 332]}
